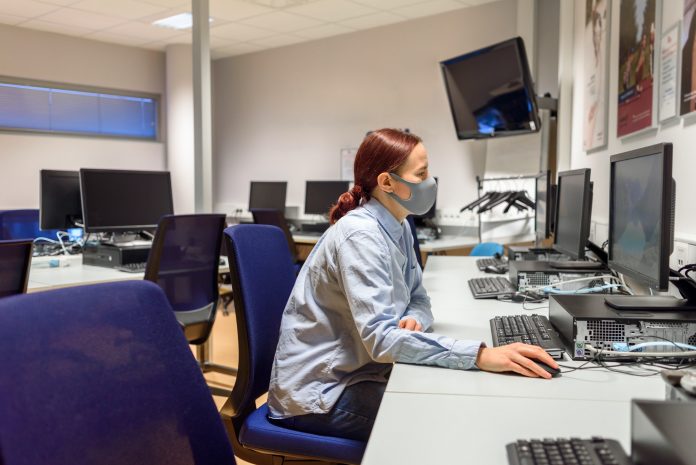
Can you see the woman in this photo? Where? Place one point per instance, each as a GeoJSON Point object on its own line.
{"type": "Point", "coordinates": [359, 304]}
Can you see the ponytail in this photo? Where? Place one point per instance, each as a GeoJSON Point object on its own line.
{"type": "Point", "coordinates": [346, 202]}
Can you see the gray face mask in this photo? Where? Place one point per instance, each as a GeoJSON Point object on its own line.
{"type": "Point", "coordinates": [423, 195]}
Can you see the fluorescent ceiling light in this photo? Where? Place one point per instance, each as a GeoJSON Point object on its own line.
{"type": "Point", "coordinates": [180, 21]}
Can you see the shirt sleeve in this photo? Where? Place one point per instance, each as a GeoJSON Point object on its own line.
{"type": "Point", "coordinates": [419, 306]}
{"type": "Point", "coordinates": [366, 278]}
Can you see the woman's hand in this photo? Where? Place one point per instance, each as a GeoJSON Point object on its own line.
{"type": "Point", "coordinates": [515, 357]}
{"type": "Point", "coordinates": [410, 324]}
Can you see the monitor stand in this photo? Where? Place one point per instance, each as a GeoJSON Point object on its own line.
{"type": "Point", "coordinates": [648, 303]}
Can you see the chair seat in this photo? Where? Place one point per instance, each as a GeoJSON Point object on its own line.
{"type": "Point", "coordinates": [260, 434]}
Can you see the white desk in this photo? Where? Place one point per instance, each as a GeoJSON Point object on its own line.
{"type": "Point", "coordinates": [453, 416]}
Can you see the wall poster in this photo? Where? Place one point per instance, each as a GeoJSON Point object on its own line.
{"type": "Point", "coordinates": [596, 48]}
{"type": "Point", "coordinates": [669, 67]}
{"type": "Point", "coordinates": [687, 97]}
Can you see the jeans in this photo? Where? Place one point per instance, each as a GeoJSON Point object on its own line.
{"type": "Point", "coordinates": [352, 416]}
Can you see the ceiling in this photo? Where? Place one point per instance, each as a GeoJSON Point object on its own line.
{"type": "Point", "coordinates": [237, 27]}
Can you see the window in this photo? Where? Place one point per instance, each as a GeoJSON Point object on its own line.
{"type": "Point", "coordinates": [29, 107]}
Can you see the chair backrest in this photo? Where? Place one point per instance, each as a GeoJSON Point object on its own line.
{"type": "Point", "coordinates": [487, 249]}
{"type": "Point", "coordinates": [276, 218]}
{"type": "Point", "coordinates": [102, 374]}
{"type": "Point", "coordinates": [15, 260]}
{"type": "Point", "coordinates": [21, 224]}
{"type": "Point", "coordinates": [416, 245]}
{"type": "Point", "coordinates": [185, 257]}
{"type": "Point", "coordinates": [262, 278]}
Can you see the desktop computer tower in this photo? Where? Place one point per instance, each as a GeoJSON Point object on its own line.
{"type": "Point", "coordinates": [662, 432]}
{"type": "Point", "coordinates": [520, 253]}
{"type": "Point", "coordinates": [586, 319]}
{"type": "Point", "coordinates": [527, 275]}
{"type": "Point", "coordinates": [110, 256]}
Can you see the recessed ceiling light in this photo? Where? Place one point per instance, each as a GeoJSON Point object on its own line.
{"type": "Point", "coordinates": [180, 21]}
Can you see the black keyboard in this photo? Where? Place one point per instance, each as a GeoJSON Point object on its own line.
{"type": "Point", "coordinates": [485, 288]}
{"type": "Point", "coordinates": [595, 451]}
{"type": "Point", "coordinates": [482, 263]}
{"type": "Point", "coordinates": [132, 267]}
{"type": "Point", "coordinates": [530, 329]}
{"type": "Point", "coordinates": [314, 228]}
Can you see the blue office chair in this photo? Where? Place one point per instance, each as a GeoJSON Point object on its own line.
{"type": "Point", "coordinates": [184, 262]}
{"type": "Point", "coordinates": [22, 224]}
{"type": "Point", "coordinates": [276, 218]}
{"type": "Point", "coordinates": [262, 279]}
{"type": "Point", "coordinates": [416, 245]}
{"type": "Point", "coordinates": [15, 260]}
{"type": "Point", "coordinates": [487, 249]}
{"type": "Point", "coordinates": [102, 374]}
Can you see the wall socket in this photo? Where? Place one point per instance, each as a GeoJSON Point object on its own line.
{"type": "Point", "coordinates": [684, 254]}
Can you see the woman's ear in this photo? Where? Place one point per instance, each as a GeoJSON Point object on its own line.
{"type": "Point", "coordinates": [385, 182]}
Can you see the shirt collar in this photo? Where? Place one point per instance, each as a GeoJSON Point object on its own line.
{"type": "Point", "coordinates": [384, 217]}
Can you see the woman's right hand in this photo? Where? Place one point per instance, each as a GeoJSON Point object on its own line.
{"type": "Point", "coordinates": [515, 357]}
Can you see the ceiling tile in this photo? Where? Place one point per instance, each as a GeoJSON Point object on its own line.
{"type": "Point", "coordinates": [60, 2]}
{"type": "Point", "coordinates": [236, 49]}
{"type": "Point", "coordinates": [239, 32]}
{"type": "Point", "coordinates": [332, 10]}
{"type": "Point", "coordinates": [57, 28]}
{"type": "Point", "coordinates": [234, 10]}
{"type": "Point", "coordinates": [378, 19]}
{"type": "Point", "coordinates": [171, 3]}
{"type": "Point", "coordinates": [279, 21]}
{"type": "Point", "coordinates": [327, 30]}
{"type": "Point", "coordinates": [127, 9]}
{"type": "Point", "coordinates": [117, 38]}
{"type": "Point", "coordinates": [144, 31]}
{"type": "Point", "coordinates": [429, 8]}
{"type": "Point", "coordinates": [387, 4]}
{"type": "Point", "coordinates": [278, 40]}
{"type": "Point", "coordinates": [79, 18]}
{"type": "Point", "coordinates": [25, 8]}
{"type": "Point", "coordinates": [9, 19]}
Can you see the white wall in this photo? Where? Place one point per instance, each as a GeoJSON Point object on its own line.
{"type": "Point", "coordinates": [681, 135]}
{"type": "Point", "coordinates": [284, 114]}
{"type": "Point", "coordinates": [51, 57]}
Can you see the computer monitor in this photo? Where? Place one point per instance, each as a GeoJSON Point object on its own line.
{"type": "Point", "coordinates": [59, 199]}
{"type": "Point", "coordinates": [641, 214]}
{"type": "Point", "coordinates": [542, 210]}
{"type": "Point", "coordinates": [268, 194]}
{"type": "Point", "coordinates": [573, 213]}
{"type": "Point", "coordinates": [320, 195]}
{"type": "Point", "coordinates": [120, 200]}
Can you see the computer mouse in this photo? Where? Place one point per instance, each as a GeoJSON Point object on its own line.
{"type": "Point", "coordinates": [495, 269]}
{"type": "Point", "coordinates": [554, 372]}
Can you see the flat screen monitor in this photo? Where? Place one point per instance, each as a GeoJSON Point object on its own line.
{"type": "Point", "coordinates": [320, 195]}
{"type": "Point", "coordinates": [542, 210]}
{"type": "Point", "coordinates": [491, 92]}
{"type": "Point", "coordinates": [59, 199]}
{"type": "Point", "coordinates": [120, 200]}
{"type": "Point", "coordinates": [573, 213]}
{"type": "Point", "coordinates": [641, 214]}
{"type": "Point", "coordinates": [268, 194]}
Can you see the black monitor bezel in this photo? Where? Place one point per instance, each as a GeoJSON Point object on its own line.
{"type": "Point", "coordinates": [44, 176]}
{"type": "Point", "coordinates": [547, 220]}
{"type": "Point", "coordinates": [586, 212]}
{"type": "Point", "coordinates": [318, 181]}
{"type": "Point", "coordinates": [285, 195]}
{"type": "Point", "coordinates": [664, 150]}
{"type": "Point", "coordinates": [123, 228]}
{"type": "Point", "coordinates": [528, 84]}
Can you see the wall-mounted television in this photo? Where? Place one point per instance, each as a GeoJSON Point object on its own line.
{"type": "Point", "coordinates": [491, 92]}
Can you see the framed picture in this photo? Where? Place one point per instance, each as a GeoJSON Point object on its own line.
{"type": "Point", "coordinates": [687, 96]}
{"type": "Point", "coordinates": [638, 23]}
{"type": "Point", "coordinates": [669, 69]}
{"type": "Point", "coordinates": [596, 46]}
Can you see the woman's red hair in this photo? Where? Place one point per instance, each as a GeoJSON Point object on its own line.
{"type": "Point", "coordinates": [382, 151]}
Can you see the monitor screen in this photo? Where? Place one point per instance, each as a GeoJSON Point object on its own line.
{"type": "Point", "coordinates": [640, 214]}
{"type": "Point", "coordinates": [573, 213]}
{"type": "Point", "coordinates": [490, 91]}
{"type": "Point", "coordinates": [543, 206]}
{"type": "Point", "coordinates": [268, 194]}
{"type": "Point", "coordinates": [320, 195]}
{"type": "Point", "coordinates": [59, 202]}
{"type": "Point", "coordinates": [119, 200]}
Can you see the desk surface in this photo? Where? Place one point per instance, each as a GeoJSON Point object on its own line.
{"type": "Point", "coordinates": [453, 416]}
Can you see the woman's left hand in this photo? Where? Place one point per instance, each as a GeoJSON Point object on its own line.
{"type": "Point", "coordinates": [410, 324]}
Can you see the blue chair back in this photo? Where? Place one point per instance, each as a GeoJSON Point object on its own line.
{"type": "Point", "coordinates": [276, 218]}
{"type": "Point", "coordinates": [22, 224]}
{"type": "Point", "coordinates": [487, 249]}
{"type": "Point", "coordinates": [15, 260]}
{"type": "Point", "coordinates": [184, 262]}
{"type": "Point", "coordinates": [263, 275]}
{"type": "Point", "coordinates": [102, 374]}
{"type": "Point", "coordinates": [416, 245]}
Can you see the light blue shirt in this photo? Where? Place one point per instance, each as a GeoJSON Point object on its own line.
{"type": "Point", "coordinates": [341, 322]}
